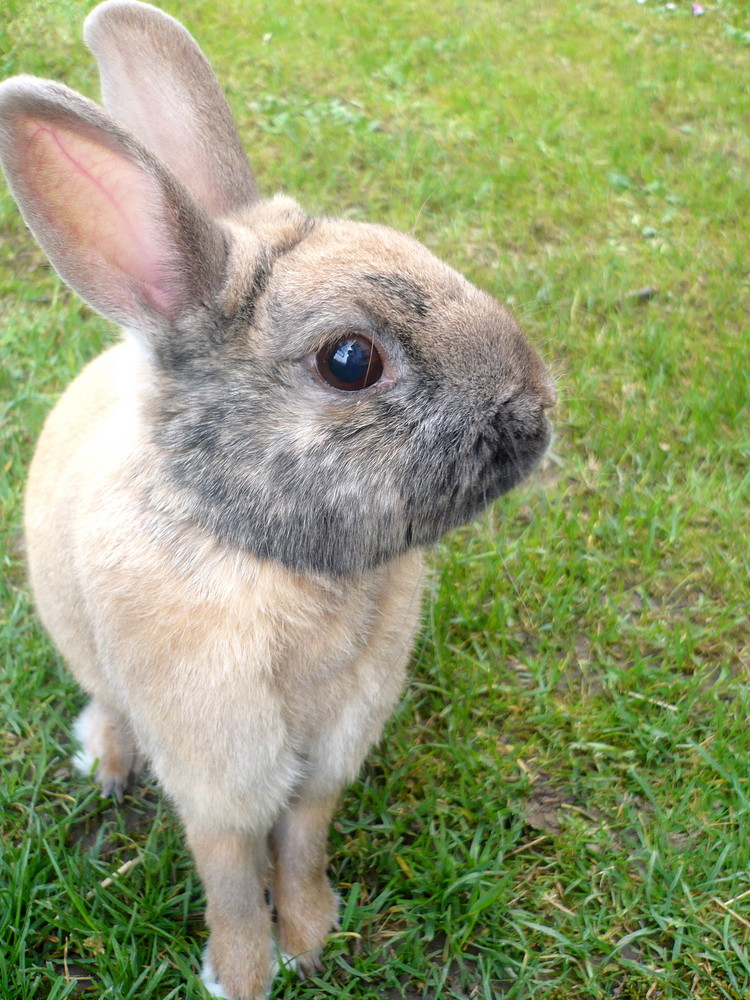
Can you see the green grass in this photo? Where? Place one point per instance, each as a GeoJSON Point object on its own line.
{"type": "Point", "coordinates": [560, 807]}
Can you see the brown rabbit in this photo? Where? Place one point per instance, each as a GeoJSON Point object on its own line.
{"type": "Point", "coordinates": [225, 512]}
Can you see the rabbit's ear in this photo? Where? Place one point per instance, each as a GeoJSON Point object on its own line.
{"type": "Point", "coordinates": [158, 83]}
{"type": "Point", "coordinates": [116, 225]}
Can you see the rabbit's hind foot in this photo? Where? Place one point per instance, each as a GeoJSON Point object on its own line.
{"type": "Point", "coordinates": [106, 748]}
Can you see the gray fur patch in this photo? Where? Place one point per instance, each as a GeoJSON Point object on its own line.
{"type": "Point", "coordinates": [403, 292]}
{"type": "Point", "coordinates": [359, 491]}
{"type": "Point", "coordinates": [270, 460]}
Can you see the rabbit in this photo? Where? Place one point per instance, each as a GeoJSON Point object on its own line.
{"type": "Point", "coordinates": [226, 512]}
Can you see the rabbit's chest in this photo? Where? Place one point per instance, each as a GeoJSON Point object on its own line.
{"type": "Point", "coordinates": [255, 665]}
{"type": "Point", "coordinates": [343, 675]}
{"type": "Point", "coordinates": [335, 659]}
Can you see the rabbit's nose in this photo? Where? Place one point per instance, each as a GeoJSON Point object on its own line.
{"type": "Point", "coordinates": [548, 394]}
{"type": "Point", "coordinates": [541, 385]}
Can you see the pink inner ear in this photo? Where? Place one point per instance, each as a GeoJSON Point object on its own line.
{"type": "Point", "coordinates": [101, 213]}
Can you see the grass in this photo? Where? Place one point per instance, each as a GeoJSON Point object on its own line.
{"type": "Point", "coordinates": [560, 807]}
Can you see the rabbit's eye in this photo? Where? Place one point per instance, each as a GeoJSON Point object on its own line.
{"type": "Point", "coordinates": [351, 363]}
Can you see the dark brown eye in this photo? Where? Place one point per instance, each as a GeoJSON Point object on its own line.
{"type": "Point", "coordinates": [352, 362]}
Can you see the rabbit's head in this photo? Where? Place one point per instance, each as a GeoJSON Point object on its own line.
{"type": "Point", "coordinates": [327, 393]}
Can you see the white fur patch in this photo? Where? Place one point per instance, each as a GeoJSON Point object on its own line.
{"type": "Point", "coordinates": [213, 986]}
{"type": "Point", "coordinates": [282, 961]}
{"type": "Point", "coordinates": [209, 980]}
{"type": "Point", "coordinates": [83, 760]}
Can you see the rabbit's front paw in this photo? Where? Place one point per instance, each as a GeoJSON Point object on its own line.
{"type": "Point", "coordinates": [210, 980]}
{"type": "Point", "coordinates": [302, 929]}
{"type": "Point", "coordinates": [240, 975]}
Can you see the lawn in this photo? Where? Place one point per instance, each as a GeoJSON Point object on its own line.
{"type": "Point", "coordinates": [560, 807]}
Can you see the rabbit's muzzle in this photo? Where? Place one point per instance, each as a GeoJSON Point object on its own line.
{"type": "Point", "coordinates": [481, 461]}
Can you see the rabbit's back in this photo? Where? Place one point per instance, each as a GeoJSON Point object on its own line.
{"type": "Point", "coordinates": [58, 483]}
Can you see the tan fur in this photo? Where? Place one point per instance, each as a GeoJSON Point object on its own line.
{"type": "Point", "coordinates": [246, 685]}
{"type": "Point", "coordinates": [305, 905]}
{"type": "Point", "coordinates": [232, 866]}
{"type": "Point", "coordinates": [225, 546]}
{"type": "Point", "coordinates": [203, 646]}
